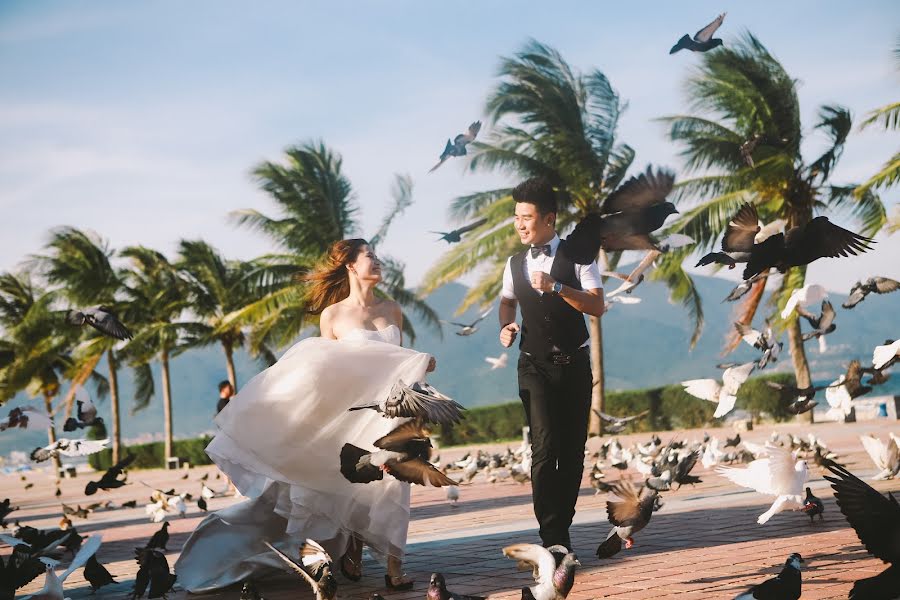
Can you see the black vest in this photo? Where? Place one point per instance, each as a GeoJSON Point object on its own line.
{"type": "Point", "coordinates": [547, 319]}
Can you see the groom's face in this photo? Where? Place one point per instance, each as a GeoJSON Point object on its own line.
{"type": "Point", "coordinates": [533, 227]}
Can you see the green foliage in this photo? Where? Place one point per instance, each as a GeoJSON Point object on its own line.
{"type": "Point", "coordinates": [150, 456]}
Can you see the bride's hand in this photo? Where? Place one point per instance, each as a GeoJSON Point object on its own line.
{"type": "Point", "coordinates": [432, 365]}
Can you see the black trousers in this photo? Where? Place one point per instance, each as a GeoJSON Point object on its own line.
{"type": "Point", "coordinates": [557, 401]}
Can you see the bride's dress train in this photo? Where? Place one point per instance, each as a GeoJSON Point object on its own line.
{"type": "Point", "coordinates": [280, 444]}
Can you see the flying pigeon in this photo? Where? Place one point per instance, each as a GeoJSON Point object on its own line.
{"type": "Point", "coordinates": [703, 40]}
{"type": "Point", "coordinates": [724, 394]}
{"type": "Point", "coordinates": [617, 424]}
{"type": "Point", "coordinates": [628, 516]}
{"type": "Point", "coordinates": [780, 474]}
{"type": "Point", "coordinates": [633, 279]}
{"type": "Point", "coordinates": [26, 417]}
{"type": "Point", "coordinates": [53, 584]}
{"type": "Point", "coordinates": [470, 328]}
{"type": "Point", "coordinates": [741, 289]}
{"type": "Point", "coordinates": [761, 341]}
{"type": "Point", "coordinates": [110, 479]}
{"type": "Point", "coordinates": [437, 590]}
{"type": "Point", "coordinates": [452, 237]}
{"type": "Point", "coordinates": [403, 453]}
{"type": "Point", "coordinates": [876, 520]}
{"type": "Point", "coordinates": [626, 219]}
{"type": "Point", "coordinates": [801, 298]}
{"type": "Point", "coordinates": [743, 230]}
{"type": "Point", "coordinates": [553, 579]}
{"type": "Point", "coordinates": [458, 146]}
{"type": "Point", "coordinates": [798, 400]}
{"type": "Point", "coordinates": [885, 356]}
{"type": "Point", "coordinates": [673, 241]}
{"type": "Point", "coordinates": [102, 319]}
{"type": "Point", "coordinates": [879, 285]}
{"type": "Point", "coordinates": [497, 363]}
{"type": "Point", "coordinates": [86, 413]}
{"type": "Point", "coordinates": [886, 456]}
{"type": "Point", "coordinates": [419, 401]}
{"type": "Point", "coordinates": [67, 447]}
{"type": "Point", "coordinates": [784, 586]}
{"type": "Point", "coordinates": [821, 325]}
{"type": "Point", "coordinates": [813, 506]}
{"type": "Point", "coordinates": [839, 400]}
{"type": "Point", "coordinates": [315, 567]}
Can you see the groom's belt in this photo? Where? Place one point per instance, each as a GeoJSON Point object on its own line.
{"type": "Point", "coordinates": [557, 358]}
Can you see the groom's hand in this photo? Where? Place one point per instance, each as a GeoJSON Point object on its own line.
{"type": "Point", "coordinates": [508, 334]}
{"type": "Point", "coordinates": [542, 281]}
{"type": "Point", "coordinates": [432, 365]}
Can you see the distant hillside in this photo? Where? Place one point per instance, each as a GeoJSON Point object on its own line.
{"type": "Point", "coordinates": [646, 345]}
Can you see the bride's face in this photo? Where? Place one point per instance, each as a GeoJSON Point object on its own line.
{"type": "Point", "coordinates": [366, 267]}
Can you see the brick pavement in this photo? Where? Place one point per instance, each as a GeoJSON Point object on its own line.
{"type": "Point", "coordinates": [704, 543]}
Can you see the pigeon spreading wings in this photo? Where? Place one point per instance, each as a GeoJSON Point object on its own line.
{"type": "Point", "coordinates": [470, 328]}
{"type": "Point", "coordinates": [314, 567]}
{"type": "Point", "coordinates": [705, 34]}
{"type": "Point", "coordinates": [553, 569]}
{"type": "Point", "coordinates": [780, 474]}
{"type": "Point", "coordinates": [885, 456]}
{"type": "Point", "coordinates": [67, 447]}
{"type": "Point", "coordinates": [879, 285]}
{"type": "Point", "coordinates": [26, 417]}
{"type": "Point", "coordinates": [886, 355]}
{"type": "Point", "coordinates": [499, 362]}
{"type": "Point", "coordinates": [456, 235]}
{"type": "Point", "coordinates": [458, 146]}
{"type": "Point", "coordinates": [102, 319]}
{"type": "Point", "coordinates": [632, 510]}
{"type": "Point", "coordinates": [419, 401]}
{"type": "Point", "coordinates": [703, 40]}
{"type": "Point", "coordinates": [803, 297]}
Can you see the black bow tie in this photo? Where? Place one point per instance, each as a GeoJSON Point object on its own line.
{"type": "Point", "coordinates": [538, 250]}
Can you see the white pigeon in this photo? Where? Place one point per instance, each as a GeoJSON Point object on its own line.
{"type": "Point", "coordinates": [631, 280]}
{"type": "Point", "coordinates": [67, 447]}
{"type": "Point", "coordinates": [809, 294]}
{"type": "Point", "coordinates": [498, 363]}
{"type": "Point", "coordinates": [780, 475]}
{"type": "Point", "coordinates": [27, 417]}
{"type": "Point", "coordinates": [711, 454]}
{"type": "Point", "coordinates": [453, 495]}
{"type": "Point", "coordinates": [53, 584]}
{"type": "Point", "coordinates": [883, 354]}
{"type": "Point", "coordinates": [756, 450]}
{"type": "Point", "coordinates": [543, 566]}
{"type": "Point", "coordinates": [725, 394]}
{"type": "Point", "coordinates": [674, 241]}
{"type": "Point", "coordinates": [156, 511]}
{"type": "Point", "coordinates": [839, 399]}
{"type": "Point", "coordinates": [885, 456]}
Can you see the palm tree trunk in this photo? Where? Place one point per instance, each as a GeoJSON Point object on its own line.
{"type": "Point", "coordinates": [114, 405]}
{"type": "Point", "coordinates": [748, 311]}
{"type": "Point", "coordinates": [798, 357]}
{"type": "Point", "coordinates": [595, 424]}
{"type": "Point", "coordinates": [229, 365]}
{"type": "Point", "coordinates": [51, 432]}
{"type": "Point", "coordinates": [167, 405]}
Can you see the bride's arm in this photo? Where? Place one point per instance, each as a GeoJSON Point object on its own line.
{"type": "Point", "coordinates": [325, 325]}
{"type": "Point", "coordinates": [398, 317]}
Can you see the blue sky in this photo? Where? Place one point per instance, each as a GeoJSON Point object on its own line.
{"type": "Point", "coordinates": [142, 120]}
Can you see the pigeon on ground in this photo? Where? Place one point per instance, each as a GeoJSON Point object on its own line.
{"type": "Point", "coordinates": [553, 579]}
{"type": "Point", "coordinates": [5, 509]}
{"type": "Point", "coordinates": [96, 574]}
{"type": "Point", "coordinates": [682, 472]}
{"type": "Point", "coordinates": [102, 319]}
{"type": "Point", "coordinates": [821, 325]}
{"type": "Point", "coordinates": [498, 363]}
{"type": "Point", "coordinates": [453, 495]}
{"type": "Point", "coordinates": [419, 401]}
{"type": "Point", "coordinates": [458, 146]}
{"type": "Point", "coordinates": [437, 590]}
{"type": "Point", "coordinates": [53, 584]}
{"type": "Point", "coordinates": [876, 520]}
{"type": "Point", "coordinates": [20, 568]}
{"type": "Point", "coordinates": [153, 572]}
{"type": "Point", "coordinates": [617, 424]}
{"type": "Point", "coordinates": [626, 219]}
{"type": "Point", "coordinates": [404, 453]}
{"type": "Point", "coordinates": [780, 474]}
{"type": "Point", "coordinates": [26, 417]}
{"type": "Point", "coordinates": [743, 230]}
{"type": "Point", "coordinates": [249, 592]}
{"type": "Point", "coordinates": [110, 480]}
{"type": "Point", "coordinates": [784, 586]}
{"type": "Point", "coordinates": [160, 538]}
{"type": "Point", "coordinates": [81, 513]}
{"type": "Point", "coordinates": [467, 329]}
{"type": "Point", "coordinates": [724, 394]}
{"type": "Point", "coordinates": [887, 355]}
{"type": "Point", "coordinates": [703, 40]}
{"type": "Point", "coordinates": [764, 341]}
{"type": "Point", "coordinates": [886, 456]}
{"type": "Point", "coordinates": [452, 237]}
{"type": "Point", "coordinates": [67, 447]}
{"type": "Point", "coordinates": [798, 400]}
{"type": "Point", "coordinates": [879, 285]}
{"type": "Point", "coordinates": [86, 414]}
{"type": "Point", "coordinates": [813, 506]}
{"type": "Point", "coordinates": [628, 516]}
{"type": "Point", "coordinates": [802, 298]}
{"type": "Point", "coordinates": [315, 567]}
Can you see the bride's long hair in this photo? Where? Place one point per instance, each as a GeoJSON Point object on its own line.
{"type": "Point", "coordinates": [329, 282]}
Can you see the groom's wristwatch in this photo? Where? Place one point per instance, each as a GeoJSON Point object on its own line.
{"type": "Point", "coordinates": [557, 287]}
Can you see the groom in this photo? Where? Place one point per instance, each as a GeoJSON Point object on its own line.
{"type": "Point", "coordinates": [554, 364]}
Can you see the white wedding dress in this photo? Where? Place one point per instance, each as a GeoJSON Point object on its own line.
{"type": "Point", "coordinates": [280, 443]}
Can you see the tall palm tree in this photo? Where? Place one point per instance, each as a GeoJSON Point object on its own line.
{"type": "Point", "coordinates": [158, 298]}
{"type": "Point", "coordinates": [218, 287]}
{"type": "Point", "coordinates": [35, 352]}
{"type": "Point", "coordinates": [742, 93]}
{"type": "Point", "coordinates": [552, 121]}
{"type": "Point", "coordinates": [889, 117]}
{"type": "Point", "coordinates": [79, 262]}
{"type": "Point", "coordinates": [318, 207]}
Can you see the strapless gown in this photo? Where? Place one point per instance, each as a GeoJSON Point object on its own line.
{"type": "Point", "coordinates": [280, 440]}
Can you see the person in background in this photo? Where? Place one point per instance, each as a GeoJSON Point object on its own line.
{"type": "Point", "coordinates": [226, 391]}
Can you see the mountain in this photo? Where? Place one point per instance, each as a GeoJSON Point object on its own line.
{"type": "Point", "coordinates": [646, 345]}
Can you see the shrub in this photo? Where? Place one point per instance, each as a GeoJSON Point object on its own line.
{"type": "Point", "coordinates": [150, 456]}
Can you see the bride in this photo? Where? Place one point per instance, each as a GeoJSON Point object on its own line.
{"type": "Point", "coordinates": [280, 440]}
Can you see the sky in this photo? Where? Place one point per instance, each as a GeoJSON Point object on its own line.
{"type": "Point", "coordinates": [142, 121]}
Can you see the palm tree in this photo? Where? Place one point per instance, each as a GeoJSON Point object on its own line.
{"type": "Point", "coordinates": [318, 208]}
{"type": "Point", "coordinates": [35, 352]}
{"type": "Point", "coordinates": [553, 122]}
{"type": "Point", "coordinates": [743, 95]}
{"type": "Point", "coordinates": [79, 262]}
{"type": "Point", "coordinates": [889, 117]}
{"type": "Point", "coordinates": [158, 298]}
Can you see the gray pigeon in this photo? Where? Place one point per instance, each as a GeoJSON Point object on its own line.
{"type": "Point", "coordinates": [553, 570]}
{"type": "Point", "coordinates": [102, 319]}
{"type": "Point", "coordinates": [879, 285]}
{"type": "Point", "coordinates": [784, 586]}
{"type": "Point", "coordinates": [419, 401]}
{"type": "Point", "coordinates": [452, 237]}
{"type": "Point", "coordinates": [703, 40]}
{"type": "Point", "coordinates": [437, 590]}
{"type": "Point", "coordinates": [458, 146]}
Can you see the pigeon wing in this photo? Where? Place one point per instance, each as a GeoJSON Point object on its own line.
{"type": "Point", "coordinates": [741, 230]}
{"type": "Point", "coordinates": [294, 565]}
{"type": "Point", "coordinates": [472, 132]}
{"type": "Point", "coordinates": [471, 226]}
{"type": "Point", "coordinates": [538, 557]}
{"type": "Point", "coordinates": [83, 447]}
{"type": "Point", "coordinates": [734, 377]}
{"type": "Point", "coordinates": [882, 355]}
{"type": "Point", "coordinates": [314, 556]}
{"type": "Point", "coordinates": [627, 511]}
{"type": "Point", "coordinates": [401, 435]}
{"type": "Point", "coordinates": [876, 449]}
{"type": "Point", "coordinates": [705, 34]}
{"type": "Point", "coordinates": [827, 316]}
{"type": "Point", "coordinates": [821, 238]}
{"type": "Point", "coordinates": [430, 408]}
{"type": "Point", "coordinates": [87, 550]}
{"type": "Point", "coordinates": [705, 389]}
{"type": "Point", "coordinates": [782, 470]}
{"type": "Point", "coordinates": [420, 472]}
{"type": "Point", "coordinates": [640, 191]}
{"type": "Point", "coordinates": [883, 285]}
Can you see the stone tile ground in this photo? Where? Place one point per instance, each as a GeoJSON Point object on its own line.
{"type": "Point", "coordinates": [704, 543]}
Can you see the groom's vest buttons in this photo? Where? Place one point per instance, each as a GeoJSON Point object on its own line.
{"type": "Point", "coordinates": [547, 319]}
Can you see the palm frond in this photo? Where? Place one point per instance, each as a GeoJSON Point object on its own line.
{"type": "Point", "coordinates": [866, 207]}
{"type": "Point", "coordinates": [887, 177]}
{"type": "Point", "coordinates": [402, 198]}
{"type": "Point", "coordinates": [144, 388]}
{"type": "Point", "coordinates": [837, 123]}
{"type": "Point", "coordinates": [681, 288]}
{"type": "Point", "coordinates": [888, 116]}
